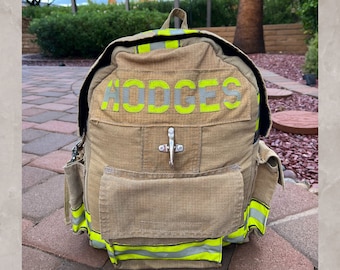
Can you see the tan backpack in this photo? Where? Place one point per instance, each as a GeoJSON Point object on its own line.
{"type": "Point", "coordinates": [171, 167]}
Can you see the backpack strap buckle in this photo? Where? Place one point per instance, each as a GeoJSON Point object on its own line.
{"type": "Point", "coordinates": [171, 148]}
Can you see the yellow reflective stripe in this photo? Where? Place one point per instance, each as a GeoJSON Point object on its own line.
{"type": "Point", "coordinates": [96, 240]}
{"type": "Point", "coordinates": [174, 31]}
{"type": "Point", "coordinates": [239, 235]}
{"type": "Point", "coordinates": [110, 252]}
{"type": "Point", "coordinates": [163, 32]}
{"type": "Point", "coordinates": [171, 44]}
{"type": "Point", "coordinates": [257, 125]}
{"type": "Point", "coordinates": [88, 221]}
{"type": "Point", "coordinates": [144, 48]}
{"type": "Point", "coordinates": [255, 215]}
{"type": "Point", "coordinates": [178, 247]}
{"type": "Point", "coordinates": [190, 31]}
{"type": "Point", "coordinates": [205, 256]}
{"type": "Point", "coordinates": [82, 226]}
{"type": "Point", "coordinates": [258, 215]}
{"type": "Point", "coordinates": [209, 250]}
{"type": "Point", "coordinates": [78, 218]}
{"type": "Point", "coordinates": [77, 213]}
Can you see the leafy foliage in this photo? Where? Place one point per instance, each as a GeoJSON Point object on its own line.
{"type": "Point", "coordinates": [311, 62]}
{"type": "Point", "coordinates": [31, 12]}
{"type": "Point", "coordinates": [88, 32]}
{"type": "Point", "coordinates": [280, 11]}
{"type": "Point", "coordinates": [308, 13]}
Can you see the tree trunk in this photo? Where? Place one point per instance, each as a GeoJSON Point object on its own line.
{"type": "Point", "coordinates": [127, 5]}
{"type": "Point", "coordinates": [208, 13]}
{"type": "Point", "coordinates": [74, 6]}
{"type": "Point", "coordinates": [249, 26]}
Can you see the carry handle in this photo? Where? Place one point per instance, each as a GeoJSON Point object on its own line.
{"type": "Point", "coordinates": [176, 12]}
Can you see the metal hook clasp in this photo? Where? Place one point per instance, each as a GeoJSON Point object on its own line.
{"type": "Point", "coordinates": [172, 148]}
{"type": "Point", "coordinates": [76, 149]}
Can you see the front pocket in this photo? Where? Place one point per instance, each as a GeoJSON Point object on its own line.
{"type": "Point", "coordinates": [171, 206]}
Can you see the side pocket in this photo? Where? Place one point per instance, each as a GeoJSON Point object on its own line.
{"type": "Point", "coordinates": [74, 186]}
{"type": "Point", "coordinates": [74, 177]}
{"type": "Point", "coordinates": [269, 174]}
{"type": "Point", "coordinates": [171, 206]}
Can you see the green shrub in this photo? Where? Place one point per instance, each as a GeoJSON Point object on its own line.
{"type": "Point", "coordinates": [35, 12]}
{"type": "Point", "coordinates": [280, 11]}
{"type": "Point", "coordinates": [88, 32]}
{"type": "Point", "coordinates": [308, 13]}
{"type": "Point", "coordinates": [311, 62]}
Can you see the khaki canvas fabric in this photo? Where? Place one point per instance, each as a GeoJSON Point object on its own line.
{"type": "Point", "coordinates": [269, 174]}
{"type": "Point", "coordinates": [178, 206]}
{"type": "Point", "coordinates": [211, 140]}
{"type": "Point", "coordinates": [74, 186]}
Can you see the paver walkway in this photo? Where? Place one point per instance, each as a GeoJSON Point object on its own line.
{"type": "Point", "coordinates": [49, 131]}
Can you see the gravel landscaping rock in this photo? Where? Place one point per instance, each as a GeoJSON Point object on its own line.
{"type": "Point", "coordinates": [298, 153]}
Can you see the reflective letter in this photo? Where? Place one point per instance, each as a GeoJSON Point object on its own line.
{"type": "Point", "coordinates": [126, 96]}
{"type": "Point", "coordinates": [152, 108]}
{"type": "Point", "coordinates": [189, 100]}
{"type": "Point", "coordinates": [111, 94]}
{"type": "Point", "coordinates": [234, 93]}
{"type": "Point", "coordinates": [204, 95]}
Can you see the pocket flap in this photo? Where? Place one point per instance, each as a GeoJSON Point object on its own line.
{"type": "Point", "coordinates": [269, 157]}
{"type": "Point", "coordinates": [195, 206]}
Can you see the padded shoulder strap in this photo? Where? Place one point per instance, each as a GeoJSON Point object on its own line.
{"type": "Point", "coordinates": [172, 34]}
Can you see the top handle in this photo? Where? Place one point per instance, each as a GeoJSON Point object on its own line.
{"type": "Point", "coordinates": [176, 12]}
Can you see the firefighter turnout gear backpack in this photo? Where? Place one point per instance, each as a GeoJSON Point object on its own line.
{"type": "Point", "coordinates": [171, 167]}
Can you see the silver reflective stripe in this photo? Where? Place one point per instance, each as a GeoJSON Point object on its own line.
{"type": "Point", "coordinates": [111, 254]}
{"type": "Point", "coordinates": [173, 255]}
{"type": "Point", "coordinates": [78, 220]}
{"type": "Point", "coordinates": [177, 31]}
{"type": "Point", "coordinates": [236, 240]}
{"type": "Point", "coordinates": [258, 215]}
{"type": "Point", "coordinates": [157, 45]}
{"type": "Point", "coordinates": [98, 245]}
{"type": "Point", "coordinates": [172, 31]}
